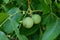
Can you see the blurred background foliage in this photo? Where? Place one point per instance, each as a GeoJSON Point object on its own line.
{"type": "Point", "coordinates": [13, 11]}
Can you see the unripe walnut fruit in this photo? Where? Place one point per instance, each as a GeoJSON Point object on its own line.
{"type": "Point", "coordinates": [36, 18]}
{"type": "Point", "coordinates": [27, 22]}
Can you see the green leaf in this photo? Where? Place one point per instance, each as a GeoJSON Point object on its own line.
{"type": "Point", "coordinates": [44, 7]}
{"type": "Point", "coordinates": [20, 37]}
{"type": "Point", "coordinates": [3, 36]}
{"type": "Point", "coordinates": [3, 16]}
{"type": "Point", "coordinates": [18, 16]}
{"type": "Point", "coordinates": [8, 27]}
{"type": "Point", "coordinates": [47, 19]}
{"type": "Point", "coordinates": [13, 10]}
{"type": "Point", "coordinates": [52, 29]}
{"type": "Point", "coordinates": [28, 32]}
{"type": "Point", "coordinates": [6, 1]}
{"type": "Point", "coordinates": [24, 37]}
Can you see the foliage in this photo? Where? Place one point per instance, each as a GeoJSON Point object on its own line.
{"type": "Point", "coordinates": [12, 13]}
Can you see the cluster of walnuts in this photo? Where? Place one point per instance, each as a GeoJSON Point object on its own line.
{"type": "Point", "coordinates": [29, 21]}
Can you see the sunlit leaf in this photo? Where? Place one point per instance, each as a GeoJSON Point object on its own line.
{"type": "Point", "coordinates": [3, 16]}
{"type": "Point", "coordinates": [52, 29]}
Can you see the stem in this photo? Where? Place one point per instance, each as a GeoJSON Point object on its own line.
{"type": "Point", "coordinates": [51, 5]}
{"type": "Point", "coordinates": [37, 11]}
{"type": "Point", "coordinates": [29, 8]}
{"type": "Point", "coordinates": [41, 34]}
{"type": "Point", "coordinates": [28, 4]}
{"type": "Point", "coordinates": [31, 11]}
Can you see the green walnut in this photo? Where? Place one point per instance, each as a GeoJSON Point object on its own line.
{"type": "Point", "coordinates": [28, 22]}
{"type": "Point", "coordinates": [36, 18]}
